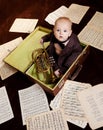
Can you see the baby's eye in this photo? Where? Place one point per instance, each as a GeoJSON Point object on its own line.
{"type": "Point", "coordinates": [65, 30]}
{"type": "Point", "coordinates": [58, 30]}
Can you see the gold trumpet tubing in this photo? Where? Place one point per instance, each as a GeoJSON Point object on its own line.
{"type": "Point", "coordinates": [43, 65]}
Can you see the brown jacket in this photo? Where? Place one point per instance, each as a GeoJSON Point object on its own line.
{"type": "Point", "coordinates": [69, 52]}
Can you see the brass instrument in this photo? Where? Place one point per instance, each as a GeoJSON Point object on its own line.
{"type": "Point", "coordinates": [43, 66]}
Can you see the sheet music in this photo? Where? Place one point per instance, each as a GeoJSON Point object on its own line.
{"type": "Point", "coordinates": [6, 71]}
{"type": "Point", "coordinates": [97, 21]}
{"type": "Point", "coordinates": [70, 103]}
{"type": "Point", "coordinates": [55, 104]}
{"type": "Point", "coordinates": [92, 37]}
{"type": "Point", "coordinates": [23, 25]}
{"type": "Point", "coordinates": [53, 120]}
{"type": "Point", "coordinates": [91, 100]}
{"type": "Point", "coordinates": [92, 33]}
{"type": "Point", "coordinates": [75, 12]}
{"type": "Point", "coordinates": [5, 49]}
{"type": "Point", "coordinates": [56, 14]}
{"type": "Point", "coordinates": [33, 100]}
{"type": "Point", "coordinates": [5, 107]}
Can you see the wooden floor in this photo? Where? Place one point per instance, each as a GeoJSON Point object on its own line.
{"type": "Point", "coordinates": [11, 9]}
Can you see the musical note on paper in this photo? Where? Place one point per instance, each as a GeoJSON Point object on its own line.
{"type": "Point", "coordinates": [23, 25]}
{"type": "Point", "coordinates": [70, 103]}
{"type": "Point", "coordinates": [33, 100]}
{"type": "Point", "coordinates": [96, 20]}
{"type": "Point", "coordinates": [92, 33]}
{"type": "Point", "coordinates": [5, 69]}
{"type": "Point", "coordinates": [75, 12]}
{"type": "Point", "coordinates": [91, 100]}
{"type": "Point", "coordinates": [6, 112]}
{"type": "Point", "coordinates": [53, 120]}
{"type": "Point", "coordinates": [56, 14]}
{"type": "Point", "coordinates": [55, 104]}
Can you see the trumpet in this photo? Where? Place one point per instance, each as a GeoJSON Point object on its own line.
{"type": "Point", "coordinates": [43, 66]}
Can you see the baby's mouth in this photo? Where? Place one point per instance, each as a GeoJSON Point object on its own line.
{"type": "Point", "coordinates": [61, 37]}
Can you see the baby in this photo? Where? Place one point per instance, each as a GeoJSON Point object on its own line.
{"type": "Point", "coordinates": [64, 45]}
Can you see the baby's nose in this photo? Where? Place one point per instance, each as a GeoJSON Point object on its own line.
{"type": "Point", "coordinates": [61, 32]}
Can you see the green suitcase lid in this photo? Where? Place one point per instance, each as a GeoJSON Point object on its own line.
{"type": "Point", "coordinates": [21, 57]}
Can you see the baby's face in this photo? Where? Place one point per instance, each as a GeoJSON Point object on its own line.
{"type": "Point", "coordinates": [62, 30]}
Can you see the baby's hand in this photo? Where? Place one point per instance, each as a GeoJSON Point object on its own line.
{"type": "Point", "coordinates": [57, 73]}
{"type": "Point", "coordinates": [41, 41]}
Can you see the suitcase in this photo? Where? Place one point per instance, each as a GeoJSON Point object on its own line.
{"type": "Point", "coordinates": [21, 59]}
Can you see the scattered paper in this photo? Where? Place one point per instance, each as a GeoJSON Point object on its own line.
{"type": "Point", "coordinates": [55, 104]}
{"type": "Point", "coordinates": [75, 12]}
{"type": "Point", "coordinates": [5, 107]}
{"type": "Point", "coordinates": [92, 33]}
{"type": "Point", "coordinates": [53, 120]}
{"type": "Point", "coordinates": [70, 103]}
{"type": "Point", "coordinates": [5, 69]}
{"type": "Point", "coordinates": [33, 101]}
{"type": "Point", "coordinates": [56, 14]}
{"type": "Point", "coordinates": [23, 25]}
{"type": "Point", "coordinates": [97, 21]}
{"type": "Point", "coordinates": [8, 47]}
{"type": "Point", "coordinates": [80, 123]}
{"type": "Point", "coordinates": [91, 100]}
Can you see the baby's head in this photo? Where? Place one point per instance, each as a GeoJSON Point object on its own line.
{"type": "Point", "coordinates": [62, 28]}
